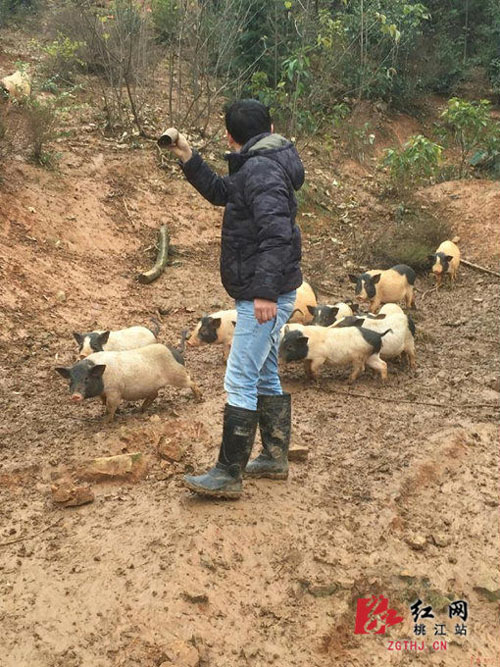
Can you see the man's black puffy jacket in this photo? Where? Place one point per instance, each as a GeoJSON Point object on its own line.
{"type": "Point", "coordinates": [261, 246]}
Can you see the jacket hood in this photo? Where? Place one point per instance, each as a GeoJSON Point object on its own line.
{"type": "Point", "coordinates": [276, 148]}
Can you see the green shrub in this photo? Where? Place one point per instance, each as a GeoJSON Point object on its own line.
{"type": "Point", "coordinates": [415, 163]}
{"type": "Point", "coordinates": [41, 129]}
{"type": "Point", "coordinates": [468, 127]}
{"type": "Point", "coordinates": [409, 241]}
{"type": "Point", "coordinates": [63, 58]}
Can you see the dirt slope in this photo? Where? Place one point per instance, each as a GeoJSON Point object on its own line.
{"type": "Point", "coordinates": [398, 495]}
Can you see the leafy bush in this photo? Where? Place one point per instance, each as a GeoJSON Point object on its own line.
{"type": "Point", "coordinates": [409, 241]}
{"type": "Point", "coordinates": [468, 127]}
{"type": "Point", "coordinates": [41, 128]}
{"type": "Point", "coordinates": [62, 58]}
{"type": "Point", "coordinates": [415, 163]}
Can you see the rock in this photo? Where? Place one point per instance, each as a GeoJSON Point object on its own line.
{"type": "Point", "coordinates": [129, 466]}
{"type": "Point", "coordinates": [322, 590]}
{"type": "Point", "coordinates": [171, 450]}
{"type": "Point", "coordinates": [440, 540]}
{"type": "Point", "coordinates": [61, 296]}
{"type": "Point", "coordinates": [298, 453]}
{"type": "Point", "coordinates": [488, 588]}
{"type": "Point", "coordinates": [196, 597]}
{"type": "Point", "coordinates": [416, 542]}
{"type": "Point", "coordinates": [182, 654]}
{"type": "Point", "coordinates": [67, 493]}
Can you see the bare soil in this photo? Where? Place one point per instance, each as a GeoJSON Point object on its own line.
{"type": "Point", "coordinates": [398, 496]}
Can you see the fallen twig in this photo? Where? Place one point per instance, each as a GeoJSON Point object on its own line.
{"type": "Point", "coordinates": [464, 406]}
{"type": "Point", "coordinates": [479, 268]}
{"type": "Point", "coordinates": [428, 291]}
{"type": "Point", "coordinates": [29, 537]}
{"type": "Point", "coordinates": [161, 260]}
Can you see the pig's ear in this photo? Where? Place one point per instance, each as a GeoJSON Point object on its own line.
{"type": "Point", "coordinates": [63, 371]}
{"type": "Point", "coordinates": [376, 317]}
{"type": "Point", "coordinates": [354, 307]}
{"type": "Point", "coordinates": [311, 309]}
{"type": "Point", "coordinates": [335, 311]}
{"type": "Point", "coordinates": [376, 278]}
{"type": "Point", "coordinates": [103, 338]}
{"type": "Point", "coordinates": [286, 329]}
{"type": "Point", "coordinates": [448, 258]}
{"type": "Point", "coordinates": [97, 370]}
{"type": "Point", "coordinates": [233, 322]}
{"type": "Point", "coordinates": [431, 257]}
{"type": "Point", "coordinates": [358, 322]}
{"type": "Point", "coordinates": [79, 338]}
{"type": "Point", "coordinates": [216, 322]}
{"type": "Point", "coordinates": [353, 278]}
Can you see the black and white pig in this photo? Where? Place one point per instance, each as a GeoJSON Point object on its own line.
{"type": "Point", "coordinates": [115, 341]}
{"type": "Point", "coordinates": [336, 346]}
{"type": "Point", "coordinates": [325, 316]}
{"type": "Point", "coordinates": [445, 260]}
{"type": "Point", "coordinates": [389, 286]}
{"type": "Point", "coordinates": [216, 328]}
{"type": "Point", "coordinates": [399, 340]}
{"type": "Point", "coordinates": [130, 375]}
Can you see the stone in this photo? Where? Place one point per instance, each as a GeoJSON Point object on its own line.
{"type": "Point", "coordinates": [416, 542]}
{"type": "Point", "coordinates": [61, 296]}
{"type": "Point", "coordinates": [171, 450]}
{"type": "Point", "coordinates": [67, 493]}
{"type": "Point", "coordinates": [129, 466]}
{"type": "Point", "coordinates": [440, 540]}
{"type": "Point", "coordinates": [487, 587]}
{"type": "Point", "coordinates": [322, 590]}
{"type": "Point", "coordinates": [196, 597]}
{"type": "Point", "coordinates": [182, 654]}
{"type": "Point", "coordinates": [298, 453]}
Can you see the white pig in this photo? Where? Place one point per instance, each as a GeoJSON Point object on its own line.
{"type": "Point", "coordinates": [390, 286]}
{"type": "Point", "coordinates": [130, 375]}
{"type": "Point", "coordinates": [446, 259]}
{"type": "Point", "coordinates": [215, 328]}
{"type": "Point", "coordinates": [399, 340]}
{"type": "Point", "coordinates": [337, 346]}
{"type": "Point", "coordinates": [114, 341]}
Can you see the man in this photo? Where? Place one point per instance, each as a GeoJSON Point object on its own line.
{"type": "Point", "coordinates": [260, 269]}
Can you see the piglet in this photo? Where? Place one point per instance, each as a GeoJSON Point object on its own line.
{"type": "Point", "coordinates": [114, 341]}
{"type": "Point", "coordinates": [130, 375]}
{"type": "Point", "coordinates": [337, 346]}
{"type": "Point", "coordinates": [325, 316]}
{"type": "Point", "coordinates": [305, 299]}
{"type": "Point", "coordinates": [446, 259]}
{"type": "Point", "coordinates": [390, 286]}
{"type": "Point", "coordinates": [216, 328]}
{"type": "Point", "coordinates": [399, 340]}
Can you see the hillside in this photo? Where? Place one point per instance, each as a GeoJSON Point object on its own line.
{"type": "Point", "coordinates": [398, 495]}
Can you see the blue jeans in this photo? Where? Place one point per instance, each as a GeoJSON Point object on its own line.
{"type": "Point", "coordinates": [252, 366]}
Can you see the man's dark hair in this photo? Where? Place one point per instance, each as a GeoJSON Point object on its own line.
{"type": "Point", "coordinates": [246, 119]}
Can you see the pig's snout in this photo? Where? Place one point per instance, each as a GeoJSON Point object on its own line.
{"type": "Point", "coordinates": [76, 398]}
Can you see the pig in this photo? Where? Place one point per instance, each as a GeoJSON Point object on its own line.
{"type": "Point", "coordinates": [400, 339]}
{"type": "Point", "coordinates": [337, 346]}
{"type": "Point", "coordinates": [215, 328]}
{"type": "Point", "coordinates": [304, 299]}
{"type": "Point", "coordinates": [129, 375]}
{"type": "Point", "coordinates": [390, 286]}
{"type": "Point", "coordinates": [16, 86]}
{"type": "Point", "coordinates": [446, 259]}
{"type": "Point", "coordinates": [114, 341]}
{"type": "Point", "coordinates": [325, 316]}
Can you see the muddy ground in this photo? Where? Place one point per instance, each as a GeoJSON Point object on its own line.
{"type": "Point", "coordinates": [398, 495]}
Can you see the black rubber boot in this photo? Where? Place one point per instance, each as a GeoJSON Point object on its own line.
{"type": "Point", "coordinates": [275, 422]}
{"type": "Point", "coordinates": [224, 479]}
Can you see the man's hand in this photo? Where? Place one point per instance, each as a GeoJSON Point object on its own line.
{"type": "Point", "coordinates": [264, 310]}
{"type": "Point", "coordinates": [181, 148]}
